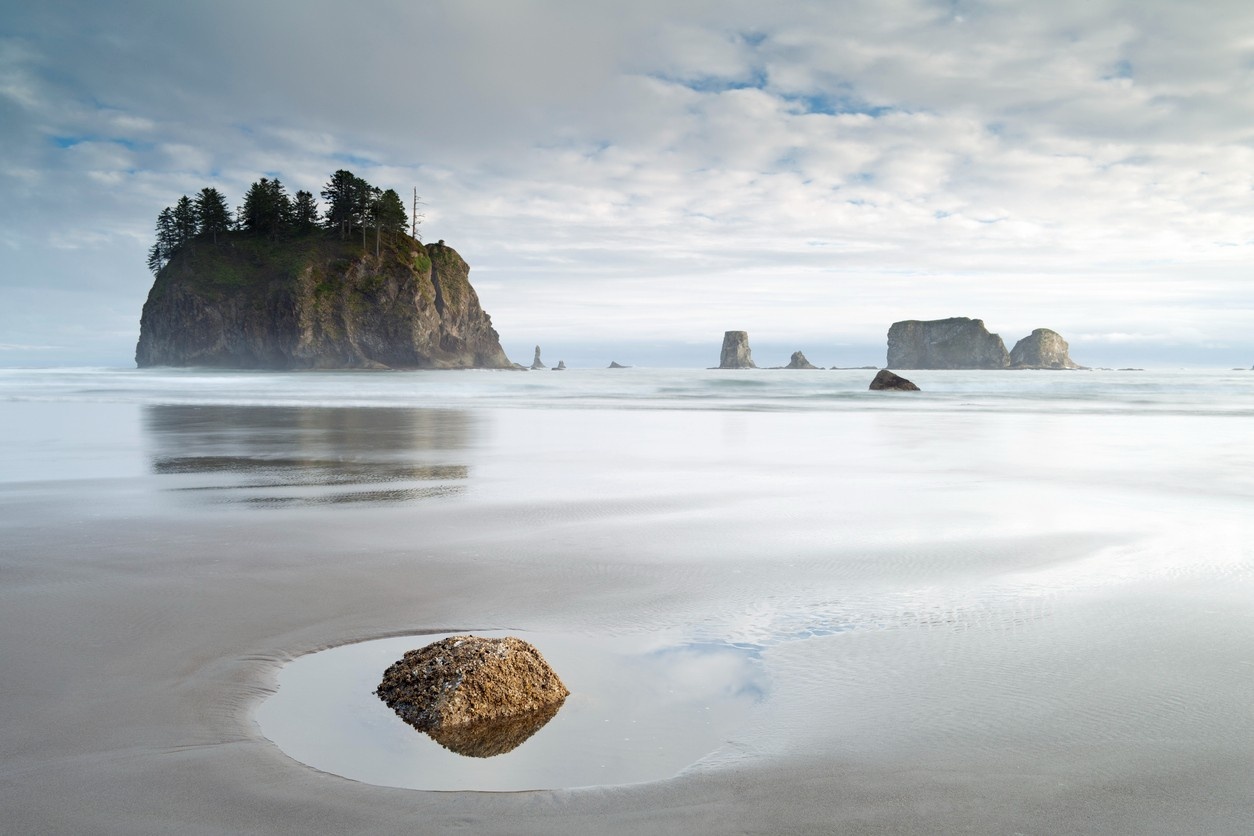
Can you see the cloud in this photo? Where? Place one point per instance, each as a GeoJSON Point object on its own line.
{"type": "Point", "coordinates": [811, 169]}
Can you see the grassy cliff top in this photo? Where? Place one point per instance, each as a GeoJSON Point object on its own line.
{"type": "Point", "coordinates": [245, 264]}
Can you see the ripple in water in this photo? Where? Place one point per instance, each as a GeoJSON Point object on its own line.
{"type": "Point", "coordinates": [639, 710]}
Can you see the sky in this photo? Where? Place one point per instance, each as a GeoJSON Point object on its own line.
{"type": "Point", "coordinates": [630, 180]}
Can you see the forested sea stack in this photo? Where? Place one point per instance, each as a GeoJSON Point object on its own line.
{"type": "Point", "coordinates": [316, 302]}
{"type": "Point", "coordinates": [283, 288]}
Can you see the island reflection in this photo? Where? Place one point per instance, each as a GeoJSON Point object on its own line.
{"type": "Point", "coordinates": [272, 456]}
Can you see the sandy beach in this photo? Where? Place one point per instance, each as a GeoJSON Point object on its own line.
{"type": "Point", "coordinates": [1018, 620]}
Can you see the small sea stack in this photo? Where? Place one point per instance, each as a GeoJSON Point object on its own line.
{"type": "Point", "coordinates": [736, 353]}
{"type": "Point", "coordinates": [1042, 349]}
{"type": "Point", "coordinates": [799, 361]}
{"type": "Point", "coordinates": [560, 367]}
{"type": "Point", "coordinates": [887, 381]}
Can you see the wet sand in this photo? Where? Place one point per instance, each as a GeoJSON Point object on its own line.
{"type": "Point", "coordinates": [955, 642]}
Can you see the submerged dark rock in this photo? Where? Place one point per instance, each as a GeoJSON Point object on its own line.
{"type": "Point", "coordinates": [887, 380]}
{"type": "Point", "coordinates": [799, 361]}
{"type": "Point", "coordinates": [736, 353]}
{"type": "Point", "coordinates": [955, 343]}
{"type": "Point", "coordinates": [475, 695]}
{"type": "Point", "coordinates": [614, 365]}
{"type": "Point", "coordinates": [316, 302]}
{"type": "Point", "coordinates": [1042, 349]}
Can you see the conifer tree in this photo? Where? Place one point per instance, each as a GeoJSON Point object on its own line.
{"type": "Point", "coordinates": [212, 212]}
{"type": "Point", "coordinates": [267, 209]}
{"type": "Point", "coordinates": [163, 248]}
{"type": "Point", "coordinates": [304, 212]}
{"type": "Point", "coordinates": [186, 221]}
{"type": "Point", "coordinates": [387, 213]}
{"type": "Point", "coordinates": [390, 212]}
{"type": "Point", "coordinates": [340, 193]}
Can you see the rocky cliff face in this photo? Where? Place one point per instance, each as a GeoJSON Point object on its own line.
{"type": "Point", "coordinates": [1042, 349]}
{"type": "Point", "coordinates": [316, 302]}
{"type": "Point", "coordinates": [955, 343]}
{"type": "Point", "coordinates": [736, 353]}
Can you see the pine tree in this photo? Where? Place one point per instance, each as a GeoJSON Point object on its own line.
{"type": "Point", "coordinates": [186, 221]}
{"type": "Point", "coordinates": [304, 212]}
{"type": "Point", "coordinates": [388, 215]}
{"type": "Point", "coordinates": [267, 209]}
{"type": "Point", "coordinates": [282, 219]}
{"type": "Point", "coordinates": [256, 210]}
{"type": "Point", "coordinates": [213, 213]}
{"type": "Point", "coordinates": [340, 193]}
{"type": "Point", "coordinates": [390, 212]}
{"type": "Point", "coordinates": [163, 248]}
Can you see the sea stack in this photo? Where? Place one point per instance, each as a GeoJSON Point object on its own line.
{"type": "Point", "coordinates": [799, 361]}
{"type": "Point", "coordinates": [1042, 349]}
{"type": "Point", "coordinates": [736, 353]}
{"type": "Point", "coordinates": [955, 343]}
{"type": "Point", "coordinates": [560, 367]}
{"type": "Point", "coordinates": [315, 302]}
{"type": "Point", "coordinates": [536, 364]}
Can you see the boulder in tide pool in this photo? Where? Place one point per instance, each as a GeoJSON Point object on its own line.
{"type": "Point", "coordinates": [476, 696]}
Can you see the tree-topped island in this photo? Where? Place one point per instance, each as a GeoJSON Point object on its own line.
{"type": "Point", "coordinates": [278, 285]}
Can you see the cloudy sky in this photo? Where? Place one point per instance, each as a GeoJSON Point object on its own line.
{"type": "Point", "coordinates": [629, 180]}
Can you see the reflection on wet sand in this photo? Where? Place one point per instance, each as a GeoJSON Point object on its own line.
{"type": "Point", "coordinates": [283, 456]}
{"type": "Point", "coordinates": [493, 737]}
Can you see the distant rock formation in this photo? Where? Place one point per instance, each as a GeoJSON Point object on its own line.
{"type": "Point", "coordinates": [887, 380]}
{"type": "Point", "coordinates": [536, 364]}
{"type": "Point", "coordinates": [799, 361]}
{"type": "Point", "coordinates": [560, 367]}
{"type": "Point", "coordinates": [736, 353]}
{"type": "Point", "coordinates": [477, 696]}
{"type": "Point", "coordinates": [315, 302]}
{"type": "Point", "coordinates": [614, 365]}
{"type": "Point", "coordinates": [1042, 349]}
{"type": "Point", "coordinates": [955, 343]}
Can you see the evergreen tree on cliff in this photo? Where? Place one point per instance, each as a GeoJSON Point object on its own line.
{"type": "Point", "coordinates": [212, 213]}
{"type": "Point", "coordinates": [186, 221]}
{"type": "Point", "coordinates": [340, 193]}
{"type": "Point", "coordinates": [162, 249]}
{"type": "Point", "coordinates": [390, 213]}
{"type": "Point", "coordinates": [387, 214]}
{"type": "Point", "coordinates": [267, 209]}
{"type": "Point", "coordinates": [304, 212]}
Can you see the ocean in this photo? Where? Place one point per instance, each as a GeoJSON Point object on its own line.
{"type": "Point", "coordinates": [1011, 601]}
